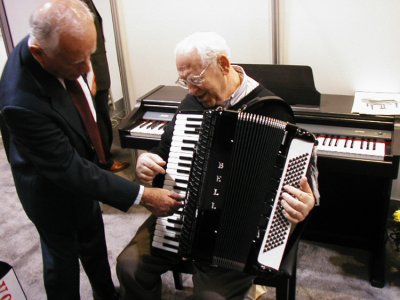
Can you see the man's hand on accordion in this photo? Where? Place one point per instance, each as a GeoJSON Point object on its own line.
{"type": "Point", "coordinates": [161, 202]}
{"type": "Point", "coordinates": [148, 165]}
{"type": "Point", "coordinates": [297, 203]}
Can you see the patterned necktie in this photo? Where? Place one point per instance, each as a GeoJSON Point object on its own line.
{"type": "Point", "coordinates": [81, 104]}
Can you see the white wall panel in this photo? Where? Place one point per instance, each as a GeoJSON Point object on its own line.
{"type": "Point", "coordinates": [153, 27]}
{"type": "Point", "coordinates": [351, 45]}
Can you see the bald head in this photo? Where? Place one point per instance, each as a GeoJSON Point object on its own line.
{"type": "Point", "coordinates": [63, 37]}
{"type": "Point", "coordinates": [57, 17]}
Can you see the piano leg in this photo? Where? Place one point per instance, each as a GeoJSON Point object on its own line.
{"type": "Point", "coordinates": [377, 268]}
{"type": "Point", "coordinates": [378, 257]}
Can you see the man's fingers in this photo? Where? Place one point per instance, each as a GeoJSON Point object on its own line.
{"type": "Point", "coordinates": [154, 162]}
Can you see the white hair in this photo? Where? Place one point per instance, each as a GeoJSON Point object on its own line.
{"type": "Point", "coordinates": [57, 16]}
{"type": "Point", "coordinates": [207, 44]}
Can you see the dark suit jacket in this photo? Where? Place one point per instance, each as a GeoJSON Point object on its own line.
{"type": "Point", "coordinates": [51, 158]}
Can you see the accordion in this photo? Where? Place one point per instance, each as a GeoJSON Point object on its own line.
{"type": "Point", "coordinates": [231, 167]}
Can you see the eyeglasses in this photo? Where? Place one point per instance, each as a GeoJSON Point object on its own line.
{"type": "Point", "coordinates": [196, 80]}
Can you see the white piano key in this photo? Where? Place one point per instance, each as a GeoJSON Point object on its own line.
{"type": "Point", "coordinates": [186, 132]}
{"type": "Point", "coordinates": [193, 138]}
{"type": "Point", "coordinates": [160, 231]}
{"type": "Point", "coordinates": [159, 130]}
{"type": "Point", "coordinates": [174, 177]}
{"type": "Point", "coordinates": [165, 229]}
{"type": "Point", "coordinates": [181, 150]}
{"type": "Point", "coordinates": [189, 116]}
{"type": "Point", "coordinates": [169, 225]}
{"type": "Point", "coordinates": [380, 148]}
{"type": "Point", "coordinates": [165, 241]}
{"type": "Point", "coordinates": [181, 155]}
{"type": "Point", "coordinates": [321, 143]}
{"type": "Point", "coordinates": [173, 184]}
{"type": "Point", "coordinates": [174, 219]}
{"type": "Point", "coordinates": [188, 122]}
{"type": "Point", "coordinates": [183, 144]}
{"type": "Point", "coordinates": [163, 246]}
{"type": "Point", "coordinates": [340, 145]}
{"type": "Point", "coordinates": [179, 166]}
{"type": "Point", "coordinates": [177, 160]}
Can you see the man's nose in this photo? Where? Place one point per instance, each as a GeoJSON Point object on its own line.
{"type": "Point", "coordinates": [86, 66]}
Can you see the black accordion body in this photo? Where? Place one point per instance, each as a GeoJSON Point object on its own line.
{"type": "Point", "coordinates": [232, 166]}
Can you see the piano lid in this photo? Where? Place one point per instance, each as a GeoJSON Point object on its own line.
{"type": "Point", "coordinates": [336, 110]}
{"type": "Point", "coordinates": [293, 83]}
{"type": "Point", "coordinates": [164, 95]}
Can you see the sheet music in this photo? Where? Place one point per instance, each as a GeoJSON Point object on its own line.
{"type": "Point", "coordinates": [376, 103]}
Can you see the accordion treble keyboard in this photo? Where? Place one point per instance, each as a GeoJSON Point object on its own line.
{"type": "Point", "coordinates": [185, 137]}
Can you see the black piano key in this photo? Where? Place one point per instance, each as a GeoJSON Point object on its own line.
{"type": "Point", "coordinates": [178, 180]}
{"type": "Point", "coordinates": [189, 131]}
{"type": "Point", "coordinates": [192, 126]}
{"type": "Point", "coordinates": [337, 141]}
{"type": "Point", "coordinates": [187, 149]}
{"type": "Point", "coordinates": [185, 158]}
{"type": "Point", "coordinates": [193, 119]}
{"type": "Point", "coordinates": [179, 188]}
{"type": "Point", "coordinates": [189, 142]}
{"type": "Point", "coordinates": [170, 246]}
{"type": "Point", "coordinates": [154, 124]}
{"type": "Point", "coordinates": [331, 140]}
{"type": "Point", "coordinates": [325, 140]}
{"type": "Point", "coordinates": [184, 165]}
{"type": "Point", "coordinates": [144, 124]}
{"type": "Point", "coordinates": [171, 238]}
{"type": "Point", "coordinates": [175, 221]}
{"type": "Point", "coordinates": [172, 228]}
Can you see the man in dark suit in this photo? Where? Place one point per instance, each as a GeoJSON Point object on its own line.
{"type": "Point", "coordinates": [53, 154]}
{"type": "Point", "coordinates": [100, 85]}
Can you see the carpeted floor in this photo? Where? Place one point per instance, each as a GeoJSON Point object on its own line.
{"type": "Point", "coordinates": [324, 271]}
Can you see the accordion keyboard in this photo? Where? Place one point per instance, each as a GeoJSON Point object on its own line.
{"type": "Point", "coordinates": [185, 137]}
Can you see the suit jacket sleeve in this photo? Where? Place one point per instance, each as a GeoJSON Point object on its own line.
{"type": "Point", "coordinates": [42, 142]}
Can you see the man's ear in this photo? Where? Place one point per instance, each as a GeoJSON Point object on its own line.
{"type": "Point", "coordinates": [37, 53]}
{"type": "Point", "coordinates": [224, 63]}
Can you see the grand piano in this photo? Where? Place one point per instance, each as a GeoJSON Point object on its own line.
{"type": "Point", "coordinates": [357, 156]}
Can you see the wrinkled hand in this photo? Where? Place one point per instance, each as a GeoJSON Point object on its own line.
{"type": "Point", "coordinates": [161, 202]}
{"type": "Point", "coordinates": [148, 165]}
{"type": "Point", "coordinates": [297, 203]}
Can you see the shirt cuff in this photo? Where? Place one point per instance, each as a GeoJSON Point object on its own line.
{"type": "Point", "coordinates": [139, 195]}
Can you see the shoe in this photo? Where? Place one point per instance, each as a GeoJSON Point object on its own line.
{"type": "Point", "coordinates": [118, 166]}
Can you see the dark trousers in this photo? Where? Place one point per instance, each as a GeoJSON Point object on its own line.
{"type": "Point", "coordinates": [139, 272]}
{"type": "Point", "coordinates": [61, 254]}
